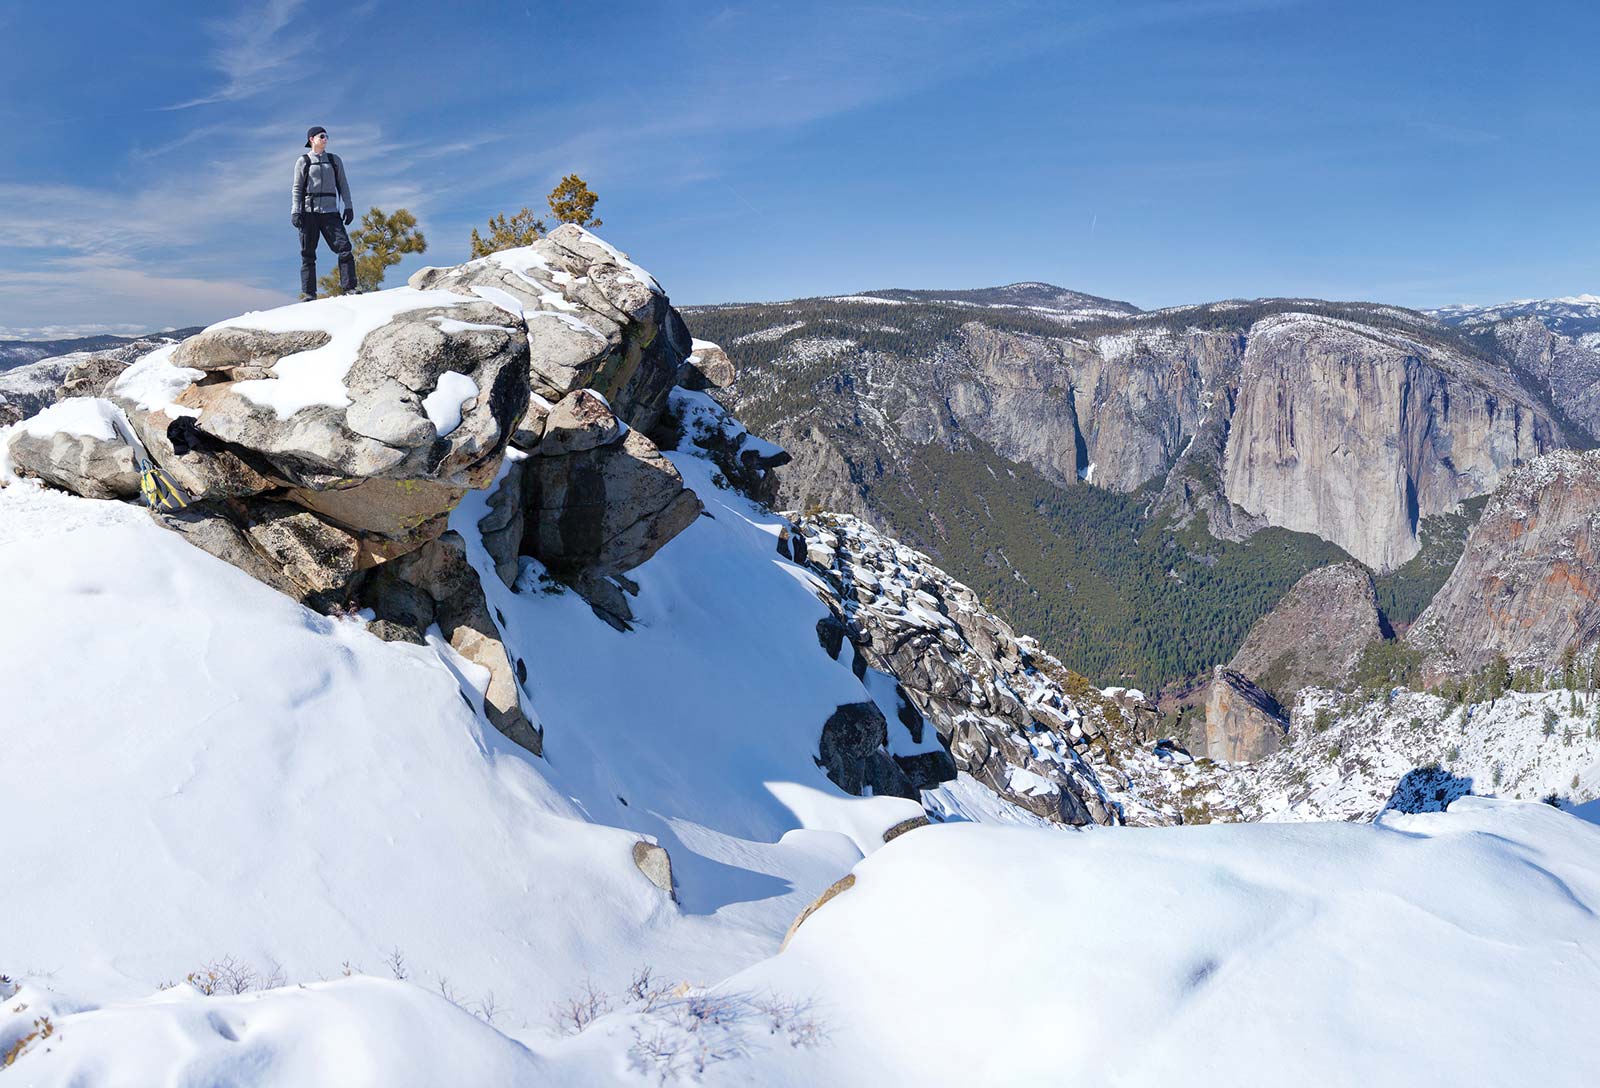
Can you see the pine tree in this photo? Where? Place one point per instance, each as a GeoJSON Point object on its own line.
{"type": "Point", "coordinates": [573, 202]}
{"type": "Point", "coordinates": [379, 243]}
{"type": "Point", "coordinates": [1497, 677]}
{"type": "Point", "coordinates": [521, 229]}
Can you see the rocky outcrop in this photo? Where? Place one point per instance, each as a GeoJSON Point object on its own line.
{"type": "Point", "coordinates": [594, 319]}
{"type": "Point", "coordinates": [319, 442]}
{"type": "Point", "coordinates": [324, 446]}
{"type": "Point", "coordinates": [335, 435]}
{"type": "Point", "coordinates": [1356, 435]}
{"type": "Point", "coordinates": [1315, 634]}
{"type": "Point", "coordinates": [930, 653]}
{"type": "Point", "coordinates": [1528, 584]}
{"type": "Point", "coordinates": [1243, 722]}
{"type": "Point", "coordinates": [748, 463]}
{"type": "Point", "coordinates": [603, 510]}
{"type": "Point", "coordinates": [708, 367]}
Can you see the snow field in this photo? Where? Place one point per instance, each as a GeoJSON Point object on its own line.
{"type": "Point", "coordinates": [1449, 948]}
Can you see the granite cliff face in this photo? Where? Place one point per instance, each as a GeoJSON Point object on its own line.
{"type": "Point", "coordinates": [1315, 635]}
{"type": "Point", "coordinates": [1565, 369]}
{"type": "Point", "coordinates": [1352, 422]}
{"type": "Point", "coordinates": [1356, 435]}
{"type": "Point", "coordinates": [1243, 722]}
{"type": "Point", "coordinates": [1528, 584]}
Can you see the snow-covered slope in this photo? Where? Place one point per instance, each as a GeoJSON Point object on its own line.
{"type": "Point", "coordinates": [200, 770]}
{"type": "Point", "coordinates": [207, 770]}
{"type": "Point", "coordinates": [1445, 948]}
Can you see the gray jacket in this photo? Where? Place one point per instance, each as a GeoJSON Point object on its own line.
{"type": "Point", "coordinates": [319, 182]}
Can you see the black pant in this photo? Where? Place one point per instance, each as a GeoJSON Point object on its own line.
{"type": "Point", "coordinates": [329, 225]}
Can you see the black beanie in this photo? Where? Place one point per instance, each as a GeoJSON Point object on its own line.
{"type": "Point", "coordinates": [312, 131]}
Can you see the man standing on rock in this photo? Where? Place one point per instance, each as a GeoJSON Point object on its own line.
{"type": "Point", "coordinates": [319, 185]}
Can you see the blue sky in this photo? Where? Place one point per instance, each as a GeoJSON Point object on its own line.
{"type": "Point", "coordinates": [1150, 150]}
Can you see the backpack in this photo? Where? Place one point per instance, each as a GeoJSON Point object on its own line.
{"type": "Point", "coordinates": [158, 489]}
{"type": "Point", "coordinates": [303, 171]}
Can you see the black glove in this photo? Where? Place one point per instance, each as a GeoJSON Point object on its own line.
{"type": "Point", "coordinates": [349, 215]}
{"type": "Point", "coordinates": [295, 218]}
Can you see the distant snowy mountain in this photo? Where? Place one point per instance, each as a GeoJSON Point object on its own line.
{"type": "Point", "coordinates": [1577, 316]}
{"type": "Point", "coordinates": [1044, 297]}
{"type": "Point", "coordinates": [15, 353]}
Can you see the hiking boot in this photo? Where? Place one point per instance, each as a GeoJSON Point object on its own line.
{"type": "Point", "coordinates": [308, 298]}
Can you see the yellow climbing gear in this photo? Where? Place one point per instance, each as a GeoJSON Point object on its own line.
{"type": "Point", "coordinates": [158, 490]}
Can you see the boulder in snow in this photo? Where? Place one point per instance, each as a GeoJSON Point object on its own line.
{"type": "Point", "coordinates": [655, 864]}
{"type": "Point", "coordinates": [76, 445]}
{"type": "Point", "coordinates": [708, 367]}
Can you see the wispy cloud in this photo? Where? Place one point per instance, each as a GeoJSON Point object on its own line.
{"type": "Point", "coordinates": [126, 295]}
{"type": "Point", "coordinates": [253, 51]}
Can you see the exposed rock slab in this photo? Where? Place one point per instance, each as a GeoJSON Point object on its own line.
{"type": "Point", "coordinates": [1243, 722]}
{"type": "Point", "coordinates": [1528, 584]}
{"type": "Point", "coordinates": [603, 510]}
